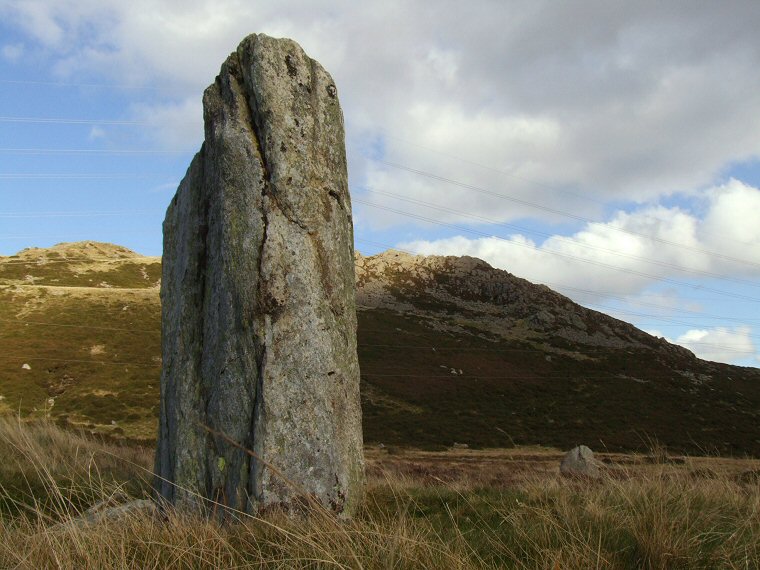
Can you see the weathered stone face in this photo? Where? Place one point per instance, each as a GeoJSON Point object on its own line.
{"type": "Point", "coordinates": [258, 302]}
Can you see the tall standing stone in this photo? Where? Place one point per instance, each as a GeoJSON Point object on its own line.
{"type": "Point", "coordinates": [258, 301]}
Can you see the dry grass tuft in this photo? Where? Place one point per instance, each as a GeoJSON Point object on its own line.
{"type": "Point", "coordinates": [423, 510]}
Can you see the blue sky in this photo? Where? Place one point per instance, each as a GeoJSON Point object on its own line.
{"type": "Point", "coordinates": [608, 149]}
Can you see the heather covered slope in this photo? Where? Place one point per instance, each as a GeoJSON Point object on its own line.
{"type": "Point", "coordinates": [454, 350]}
{"type": "Point", "coordinates": [85, 319]}
{"type": "Point", "coordinates": [451, 350]}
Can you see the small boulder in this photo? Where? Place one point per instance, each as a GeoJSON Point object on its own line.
{"type": "Point", "coordinates": [580, 462]}
{"type": "Point", "coordinates": [111, 510]}
{"type": "Point", "coordinates": [25, 367]}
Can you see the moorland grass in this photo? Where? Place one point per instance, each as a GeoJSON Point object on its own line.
{"type": "Point", "coordinates": [664, 516]}
{"type": "Point", "coordinates": [93, 361]}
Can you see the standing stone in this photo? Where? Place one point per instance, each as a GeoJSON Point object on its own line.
{"type": "Point", "coordinates": [580, 462]}
{"type": "Point", "coordinates": [260, 381]}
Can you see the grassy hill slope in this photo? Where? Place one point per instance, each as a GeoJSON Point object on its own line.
{"type": "Point", "coordinates": [451, 350]}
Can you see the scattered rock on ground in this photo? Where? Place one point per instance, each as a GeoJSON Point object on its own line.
{"type": "Point", "coordinates": [580, 462]}
{"type": "Point", "coordinates": [112, 511]}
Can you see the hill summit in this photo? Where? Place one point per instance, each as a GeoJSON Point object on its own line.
{"type": "Point", "coordinates": [79, 250]}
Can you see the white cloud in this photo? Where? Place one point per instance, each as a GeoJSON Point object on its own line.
{"type": "Point", "coordinates": [630, 251]}
{"type": "Point", "coordinates": [654, 332]}
{"type": "Point", "coordinates": [731, 223]}
{"type": "Point", "coordinates": [37, 18]}
{"type": "Point", "coordinates": [175, 125]}
{"type": "Point", "coordinates": [719, 343]}
{"type": "Point", "coordinates": [632, 102]}
{"type": "Point", "coordinates": [563, 105]}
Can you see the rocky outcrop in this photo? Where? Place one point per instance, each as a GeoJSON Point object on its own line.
{"type": "Point", "coordinates": [260, 382]}
{"type": "Point", "coordinates": [491, 300]}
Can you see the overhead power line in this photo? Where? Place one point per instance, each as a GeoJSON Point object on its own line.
{"type": "Point", "coordinates": [125, 86]}
{"type": "Point", "coordinates": [560, 254]}
{"type": "Point", "coordinates": [570, 240]}
{"type": "Point", "coordinates": [556, 285]}
{"type": "Point", "coordinates": [67, 176]}
{"type": "Point", "coordinates": [595, 292]}
{"type": "Point", "coordinates": [536, 183]}
{"type": "Point", "coordinates": [509, 173]}
{"type": "Point", "coordinates": [55, 120]}
{"type": "Point", "coordinates": [664, 319]}
{"type": "Point", "coordinates": [62, 121]}
{"type": "Point", "coordinates": [90, 151]}
{"type": "Point", "coordinates": [72, 214]}
{"type": "Point", "coordinates": [609, 294]}
{"type": "Point", "coordinates": [384, 162]}
{"type": "Point", "coordinates": [562, 213]}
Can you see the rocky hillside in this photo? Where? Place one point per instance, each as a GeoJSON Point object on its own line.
{"type": "Point", "coordinates": [499, 305]}
{"type": "Point", "coordinates": [451, 350]}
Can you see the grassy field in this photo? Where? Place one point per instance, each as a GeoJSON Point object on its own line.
{"type": "Point", "coordinates": [455, 509]}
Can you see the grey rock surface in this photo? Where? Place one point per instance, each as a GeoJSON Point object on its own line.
{"type": "Point", "coordinates": [580, 462]}
{"type": "Point", "coordinates": [111, 511]}
{"type": "Point", "coordinates": [260, 381]}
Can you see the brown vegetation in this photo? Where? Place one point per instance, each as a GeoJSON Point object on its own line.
{"type": "Point", "coordinates": [458, 509]}
{"type": "Point", "coordinates": [521, 376]}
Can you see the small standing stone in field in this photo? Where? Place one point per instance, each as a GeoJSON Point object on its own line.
{"type": "Point", "coordinates": [26, 367]}
{"type": "Point", "coordinates": [580, 462]}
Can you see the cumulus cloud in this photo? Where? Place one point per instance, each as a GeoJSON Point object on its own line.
{"type": "Point", "coordinates": [630, 251]}
{"type": "Point", "coordinates": [719, 344]}
{"type": "Point", "coordinates": [628, 101]}
{"type": "Point", "coordinates": [731, 224]}
{"type": "Point", "coordinates": [492, 112]}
